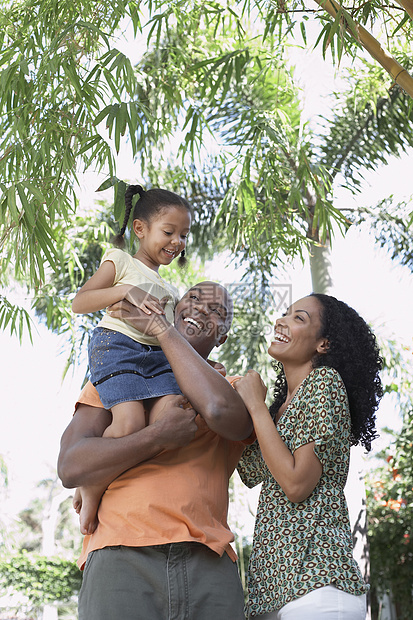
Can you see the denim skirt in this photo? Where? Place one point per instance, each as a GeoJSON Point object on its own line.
{"type": "Point", "coordinates": [122, 369]}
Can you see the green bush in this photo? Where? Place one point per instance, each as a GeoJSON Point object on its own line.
{"type": "Point", "coordinates": [390, 518]}
{"type": "Point", "coordinates": [44, 580]}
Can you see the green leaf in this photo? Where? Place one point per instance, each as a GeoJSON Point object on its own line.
{"type": "Point", "coordinates": [27, 208]}
{"type": "Point", "coordinates": [119, 207]}
{"type": "Point", "coordinates": [38, 195]}
{"type": "Point", "coordinates": [12, 204]}
{"type": "Point", "coordinates": [105, 112]}
{"type": "Point", "coordinates": [107, 184]}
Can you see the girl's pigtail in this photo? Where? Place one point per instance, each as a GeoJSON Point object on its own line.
{"type": "Point", "coordinates": [182, 261]}
{"type": "Point", "coordinates": [119, 240]}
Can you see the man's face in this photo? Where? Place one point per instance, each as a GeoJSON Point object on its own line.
{"type": "Point", "coordinates": [203, 316]}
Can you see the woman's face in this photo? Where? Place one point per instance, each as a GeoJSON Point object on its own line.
{"type": "Point", "coordinates": [297, 334]}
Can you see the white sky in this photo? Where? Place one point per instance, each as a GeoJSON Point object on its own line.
{"type": "Point", "coordinates": [36, 407]}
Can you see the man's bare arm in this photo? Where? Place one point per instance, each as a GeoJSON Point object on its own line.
{"type": "Point", "coordinates": [208, 392]}
{"type": "Point", "coordinates": [211, 395]}
{"type": "Point", "coordinates": [87, 458]}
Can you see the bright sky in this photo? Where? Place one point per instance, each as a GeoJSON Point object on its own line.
{"type": "Point", "coordinates": [36, 406]}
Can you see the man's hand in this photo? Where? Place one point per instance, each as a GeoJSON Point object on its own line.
{"type": "Point", "coordinates": [176, 424]}
{"type": "Point", "coordinates": [149, 324]}
{"type": "Point", "coordinates": [145, 301]}
{"type": "Point", "coordinates": [86, 458]}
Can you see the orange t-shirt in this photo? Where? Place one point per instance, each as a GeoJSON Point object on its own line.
{"type": "Point", "coordinates": [179, 495]}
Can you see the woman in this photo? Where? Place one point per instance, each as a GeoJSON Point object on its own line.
{"type": "Point", "coordinates": [325, 397]}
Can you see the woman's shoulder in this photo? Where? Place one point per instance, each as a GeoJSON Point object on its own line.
{"type": "Point", "coordinates": [323, 402]}
{"type": "Point", "coordinates": [325, 377]}
{"type": "Point", "coordinates": [325, 373]}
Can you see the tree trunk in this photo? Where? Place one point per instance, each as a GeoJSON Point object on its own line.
{"type": "Point", "coordinates": [320, 265]}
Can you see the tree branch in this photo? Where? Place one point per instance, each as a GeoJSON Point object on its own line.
{"type": "Point", "coordinates": [407, 5]}
{"type": "Point", "coordinates": [398, 73]}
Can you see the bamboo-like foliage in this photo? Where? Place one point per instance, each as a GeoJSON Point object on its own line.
{"type": "Point", "coordinates": [55, 79]}
{"type": "Point", "coordinates": [69, 99]}
{"type": "Point", "coordinates": [257, 197]}
{"type": "Point", "coordinates": [398, 73]}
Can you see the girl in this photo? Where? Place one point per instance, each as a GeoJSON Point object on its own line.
{"type": "Point", "coordinates": [325, 397]}
{"type": "Point", "coordinates": [127, 367]}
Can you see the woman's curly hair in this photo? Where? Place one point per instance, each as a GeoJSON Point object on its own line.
{"type": "Point", "coordinates": [354, 353]}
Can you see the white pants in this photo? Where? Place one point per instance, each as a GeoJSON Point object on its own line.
{"type": "Point", "coordinates": [327, 603]}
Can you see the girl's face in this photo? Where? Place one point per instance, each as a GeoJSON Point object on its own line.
{"type": "Point", "coordinates": [297, 334]}
{"type": "Point", "coordinates": [164, 238]}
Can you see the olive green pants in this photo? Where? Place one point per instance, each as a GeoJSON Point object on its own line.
{"type": "Point", "coordinates": [178, 581]}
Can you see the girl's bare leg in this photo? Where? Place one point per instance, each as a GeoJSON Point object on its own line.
{"type": "Point", "coordinates": [127, 418]}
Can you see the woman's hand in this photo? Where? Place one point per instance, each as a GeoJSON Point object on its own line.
{"type": "Point", "coordinates": [252, 390]}
{"type": "Point", "coordinates": [218, 367]}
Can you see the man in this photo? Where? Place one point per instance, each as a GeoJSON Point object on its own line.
{"type": "Point", "coordinates": [162, 547]}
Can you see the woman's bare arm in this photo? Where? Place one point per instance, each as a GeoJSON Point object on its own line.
{"type": "Point", "coordinates": [298, 473]}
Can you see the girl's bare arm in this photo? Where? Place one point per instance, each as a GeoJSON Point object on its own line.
{"type": "Point", "coordinates": [98, 292]}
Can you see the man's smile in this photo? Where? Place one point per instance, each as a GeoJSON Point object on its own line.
{"type": "Point", "coordinates": [192, 321]}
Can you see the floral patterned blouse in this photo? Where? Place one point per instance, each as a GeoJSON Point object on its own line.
{"type": "Point", "coordinates": [299, 547]}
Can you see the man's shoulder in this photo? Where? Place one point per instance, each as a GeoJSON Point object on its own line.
{"type": "Point", "coordinates": [89, 396]}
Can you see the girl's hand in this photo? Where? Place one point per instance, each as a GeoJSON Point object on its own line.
{"type": "Point", "coordinates": [146, 302]}
{"type": "Point", "coordinates": [252, 390]}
